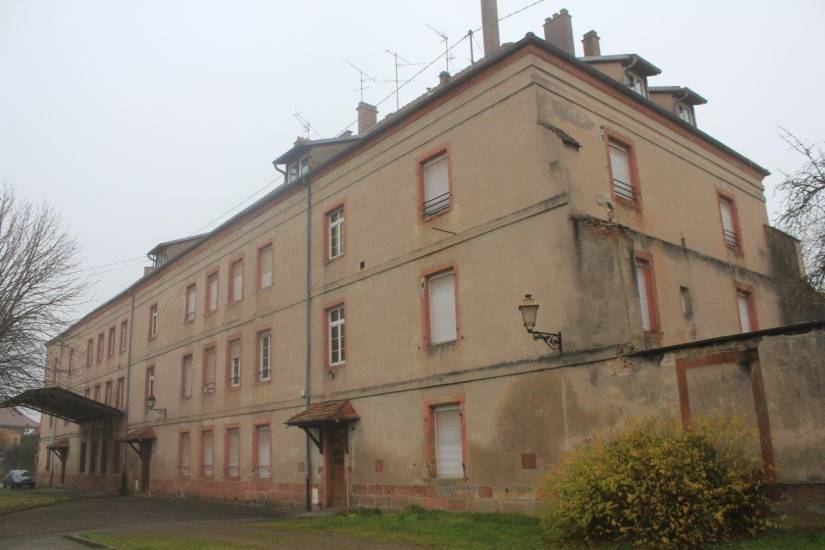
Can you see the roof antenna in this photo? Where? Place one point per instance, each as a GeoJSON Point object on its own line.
{"type": "Point", "coordinates": [446, 40]}
{"type": "Point", "coordinates": [397, 81]}
{"type": "Point", "coordinates": [306, 125]}
{"type": "Point", "coordinates": [365, 77]}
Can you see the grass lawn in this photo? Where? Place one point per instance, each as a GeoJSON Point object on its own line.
{"type": "Point", "coordinates": [27, 498]}
{"type": "Point", "coordinates": [158, 542]}
{"type": "Point", "coordinates": [427, 527]}
{"type": "Point", "coordinates": [467, 530]}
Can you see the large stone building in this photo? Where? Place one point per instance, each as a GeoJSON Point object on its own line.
{"type": "Point", "coordinates": [354, 337]}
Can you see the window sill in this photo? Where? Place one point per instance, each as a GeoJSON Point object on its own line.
{"type": "Point", "coordinates": [736, 249]}
{"type": "Point", "coordinates": [634, 204]}
{"type": "Point", "coordinates": [328, 260]}
{"type": "Point", "coordinates": [233, 388]}
{"type": "Point", "coordinates": [208, 393]}
{"type": "Point", "coordinates": [210, 312]}
{"type": "Point", "coordinates": [441, 346]}
{"type": "Point", "coordinates": [263, 382]}
{"type": "Point", "coordinates": [448, 480]}
{"type": "Point", "coordinates": [423, 218]}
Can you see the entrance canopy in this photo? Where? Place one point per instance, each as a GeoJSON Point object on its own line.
{"type": "Point", "coordinates": [64, 404]}
{"type": "Point", "coordinates": [59, 445]}
{"type": "Point", "coordinates": [326, 412]}
{"type": "Point", "coordinates": [141, 434]}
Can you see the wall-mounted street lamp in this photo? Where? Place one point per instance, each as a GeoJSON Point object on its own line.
{"type": "Point", "coordinates": [150, 401]}
{"type": "Point", "coordinates": [529, 311]}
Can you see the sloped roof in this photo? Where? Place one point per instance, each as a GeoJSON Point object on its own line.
{"type": "Point", "coordinates": [325, 412]}
{"type": "Point", "coordinates": [145, 433]}
{"type": "Point", "coordinates": [12, 418]}
{"type": "Point", "coordinates": [63, 403]}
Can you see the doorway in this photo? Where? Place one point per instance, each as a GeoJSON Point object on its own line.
{"type": "Point", "coordinates": [335, 467]}
{"type": "Point", "coordinates": [145, 465]}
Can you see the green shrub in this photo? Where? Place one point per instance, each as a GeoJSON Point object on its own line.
{"type": "Point", "coordinates": [654, 484]}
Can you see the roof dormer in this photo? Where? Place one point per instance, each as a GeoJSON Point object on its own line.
{"type": "Point", "coordinates": [630, 69]}
{"type": "Point", "coordinates": [679, 100]}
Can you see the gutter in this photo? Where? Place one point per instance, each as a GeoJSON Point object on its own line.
{"type": "Point", "coordinates": [308, 328]}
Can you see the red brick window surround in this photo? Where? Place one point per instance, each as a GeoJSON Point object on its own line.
{"type": "Point", "coordinates": [112, 342]}
{"type": "Point", "coordinates": [187, 376]}
{"type": "Point", "coordinates": [236, 280]}
{"type": "Point", "coordinates": [191, 303]}
{"type": "Point", "coordinates": [336, 353]}
{"type": "Point", "coordinates": [232, 453]}
{"type": "Point", "coordinates": [440, 305]}
{"type": "Point", "coordinates": [149, 388]}
{"type": "Point", "coordinates": [100, 346]}
{"type": "Point", "coordinates": [89, 353]}
{"type": "Point", "coordinates": [233, 362]}
{"type": "Point", "coordinates": [107, 399]}
{"type": "Point", "coordinates": [264, 353]}
{"type": "Point", "coordinates": [120, 403]}
{"type": "Point", "coordinates": [646, 287]}
{"type": "Point", "coordinates": [435, 188]}
{"type": "Point", "coordinates": [184, 454]}
{"type": "Point", "coordinates": [335, 232]}
{"type": "Point", "coordinates": [207, 453]}
{"type": "Point", "coordinates": [445, 445]}
{"type": "Point", "coordinates": [729, 220]}
{"type": "Point", "coordinates": [212, 290]}
{"type": "Point", "coordinates": [124, 335]}
{"type": "Point", "coordinates": [210, 368]}
{"type": "Point", "coordinates": [746, 308]}
{"type": "Point", "coordinates": [153, 321]}
{"type": "Point", "coordinates": [623, 169]}
{"type": "Point", "coordinates": [265, 266]}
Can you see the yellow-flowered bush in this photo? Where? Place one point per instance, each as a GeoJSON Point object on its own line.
{"type": "Point", "coordinates": [654, 484]}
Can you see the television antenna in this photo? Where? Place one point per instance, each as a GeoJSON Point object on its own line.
{"type": "Point", "coordinates": [446, 40]}
{"type": "Point", "coordinates": [399, 62]}
{"type": "Point", "coordinates": [363, 75]}
{"type": "Point", "coordinates": [308, 129]}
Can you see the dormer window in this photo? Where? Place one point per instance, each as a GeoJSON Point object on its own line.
{"type": "Point", "coordinates": [685, 112]}
{"type": "Point", "coordinates": [635, 83]}
{"type": "Point", "coordinates": [297, 169]}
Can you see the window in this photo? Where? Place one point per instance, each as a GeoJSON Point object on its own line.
{"type": "Point", "coordinates": [435, 184]}
{"type": "Point", "coordinates": [647, 294]}
{"type": "Point", "coordinates": [116, 457]}
{"type": "Point", "coordinates": [449, 452]}
{"type": "Point", "coordinates": [184, 454]}
{"type": "Point", "coordinates": [684, 112]}
{"type": "Point", "coordinates": [207, 451]}
{"type": "Point", "coordinates": [233, 453]}
{"type": "Point", "coordinates": [124, 335]}
{"type": "Point", "coordinates": [120, 403]}
{"type": "Point", "coordinates": [48, 460]}
{"type": "Point", "coordinates": [685, 302]}
{"type": "Point", "coordinates": [89, 345]}
{"type": "Point", "coordinates": [297, 169]}
{"type": "Point", "coordinates": [263, 452]}
{"type": "Point", "coordinates": [191, 303]}
{"type": "Point", "coordinates": [209, 369]}
{"type": "Point", "coordinates": [235, 363]}
{"type": "Point", "coordinates": [108, 394]}
{"type": "Point", "coordinates": [623, 181]}
{"type": "Point", "coordinates": [97, 392]}
{"type": "Point", "coordinates": [635, 83]}
{"type": "Point", "coordinates": [93, 456]}
{"type": "Point", "coordinates": [335, 233]}
{"type": "Point", "coordinates": [112, 342]}
{"type": "Point", "coordinates": [335, 336]}
{"type": "Point", "coordinates": [186, 377]}
{"type": "Point", "coordinates": [441, 308]}
{"type": "Point", "coordinates": [104, 456]}
{"type": "Point", "coordinates": [150, 384]}
{"type": "Point", "coordinates": [153, 321]}
{"type": "Point", "coordinates": [236, 281]}
{"type": "Point", "coordinates": [71, 360]}
{"type": "Point", "coordinates": [212, 291]}
{"type": "Point", "coordinates": [82, 457]}
{"type": "Point", "coordinates": [730, 220]}
{"type": "Point", "coordinates": [100, 347]}
{"type": "Point", "coordinates": [87, 393]}
{"type": "Point", "coordinates": [265, 266]}
{"type": "Point", "coordinates": [747, 309]}
{"type": "Point", "coordinates": [264, 355]}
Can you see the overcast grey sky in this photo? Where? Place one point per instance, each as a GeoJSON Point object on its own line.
{"type": "Point", "coordinates": [144, 121]}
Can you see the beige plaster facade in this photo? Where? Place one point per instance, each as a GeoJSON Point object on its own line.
{"type": "Point", "coordinates": [526, 131]}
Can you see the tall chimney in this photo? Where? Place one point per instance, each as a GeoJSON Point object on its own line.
{"type": "Point", "coordinates": [590, 41]}
{"type": "Point", "coordinates": [489, 26]}
{"type": "Point", "coordinates": [558, 30]}
{"type": "Point", "coordinates": [367, 117]}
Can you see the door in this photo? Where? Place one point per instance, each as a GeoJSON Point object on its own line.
{"type": "Point", "coordinates": [145, 464]}
{"type": "Point", "coordinates": [337, 468]}
{"type": "Point", "coordinates": [63, 456]}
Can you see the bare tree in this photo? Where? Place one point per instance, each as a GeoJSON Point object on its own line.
{"type": "Point", "coordinates": [39, 288]}
{"type": "Point", "coordinates": [803, 206]}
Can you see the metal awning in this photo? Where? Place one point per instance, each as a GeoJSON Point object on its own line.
{"type": "Point", "coordinates": [62, 403]}
{"type": "Point", "coordinates": [141, 434]}
{"type": "Point", "coordinates": [59, 445]}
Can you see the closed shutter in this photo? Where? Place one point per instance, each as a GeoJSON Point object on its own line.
{"type": "Point", "coordinates": [263, 452]}
{"type": "Point", "coordinates": [620, 169]}
{"type": "Point", "coordinates": [436, 185]}
{"type": "Point", "coordinates": [234, 442]}
{"type": "Point", "coordinates": [213, 292]}
{"type": "Point", "coordinates": [266, 267]}
{"type": "Point", "coordinates": [207, 453]}
{"type": "Point", "coordinates": [187, 376]}
{"type": "Point", "coordinates": [237, 280]}
{"type": "Point", "coordinates": [184, 454]}
{"type": "Point", "coordinates": [449, 456]}
{"type": "Point", "coordinates": [442, 308]}
{"type": "Point", "coordinates": [191, 302]}
{"type": "Point", "coordinates": [728, 227]}
{"type": "Point", "coordinates": [644, 299]}
{"type": "Point", "coordinates": [743, 302]}
{"type": "Point", "coordinates": [210, 369]}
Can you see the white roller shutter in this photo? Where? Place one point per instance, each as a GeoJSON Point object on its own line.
{"type": "Point", "coordinates": [234, 442]}
{"type": "Point", "coordinates": [442, 308]}
{"type": "Point", "coordinates": [436, 185]}
{"type": "Point", "coordinates": [263, 452]}
{"type": "Point", "coordinates": [449, 456]}
{"type": "Point", "coordinates": [743, 302]}
{"type": "Point", "coordinates": [620, 169]}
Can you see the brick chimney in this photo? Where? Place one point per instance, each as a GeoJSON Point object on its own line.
{"type": "Point", "coordinates": [489, 26]}
{"type": "Point", "coordinates": [590, 41]}
{"type": "Point", "coordinates": [443, 78]}
{"type": "Point", "coordinates": [367, 117]}
{"type": "Point", "coordinates": [558, 30]}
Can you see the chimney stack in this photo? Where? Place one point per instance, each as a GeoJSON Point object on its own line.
{"type": "Point", "coordinates": [367, 117]}
{"type": "Point", "coordinates": [590, 41]}
{"type": "Point", "coordinates": [443, 78]}
{"type": "Point", "coordinates": [558, 30]}
{"type": "Point", "coordinates": [489, 26]}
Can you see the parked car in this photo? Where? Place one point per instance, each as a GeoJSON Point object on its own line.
{"type": "Point", "coordinates": [19, 478]}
